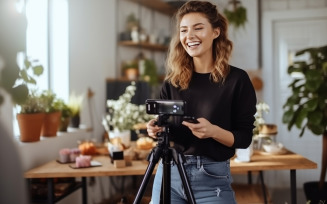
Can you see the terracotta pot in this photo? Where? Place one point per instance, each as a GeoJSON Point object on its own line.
{"type": "Point", "coordinates": [30, 126]}
{"type": "Point", "coordinates": [51, 124]}
{"type": "Point", "coordinates": [132, 73]}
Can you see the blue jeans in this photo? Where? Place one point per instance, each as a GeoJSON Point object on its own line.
{"type": "Point", "coordinates": [209, 180]}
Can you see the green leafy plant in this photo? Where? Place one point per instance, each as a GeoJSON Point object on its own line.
{"type": "Point", "coordinates": [49, 98]}
{"type": "Point", "coordinates": [150, 72]}
{"type": "Point", "coordinates": [236, 17]}
{"type": "Point", "coordinates": [133, 64]}
{"type": "Point", "coordinates": [15, 80]}
{"type": "Point", "coordinates": [60, 104]}
{"type": "Point", "coordinates": [131, 21]}
{"type": "Point", "coordinates": [306, 108]}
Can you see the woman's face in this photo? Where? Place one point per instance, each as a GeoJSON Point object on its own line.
{"type": "Point", "coordinates": [197, 34]}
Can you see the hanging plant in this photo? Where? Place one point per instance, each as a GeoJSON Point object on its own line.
{"type": "Point", "coordinates": [238, 16]}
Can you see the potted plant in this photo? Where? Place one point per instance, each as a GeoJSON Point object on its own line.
{"type": "Point", "coordinates": [130, 69]}
{"type": "Point", "coordinates": [237, 15]}
{"type": "Point", "coordinates": [124, 115]}
{"type": "Point", "coordinates": [75, 105]}
{"type": "Point", "coordinates": [52, 116]}
{"type": "Point", "coordinates": [30, 118]}
{"type": "Point", "coordinates": [306, 108]}
{"type": "Point", "coordinates": [150, 72]}
{"type": "Point", "coordinates": [66, 114]}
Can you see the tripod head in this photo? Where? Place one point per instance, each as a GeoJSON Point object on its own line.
{"type": "Point", "coordinates": [162, 120]}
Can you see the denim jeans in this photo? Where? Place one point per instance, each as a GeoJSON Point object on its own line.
{"type": "Point", "coordinates": [209, 180]}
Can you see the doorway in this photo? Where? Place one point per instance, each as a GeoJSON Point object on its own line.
{"type": "Point", "coordinates": [284, 33]}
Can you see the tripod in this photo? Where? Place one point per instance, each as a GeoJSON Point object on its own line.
{"type": "Point", "coordinates": [164, 151]}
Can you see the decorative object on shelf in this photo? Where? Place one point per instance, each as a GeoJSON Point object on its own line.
{"type": "Point", "coordinates": [132, 22]}
{"type": "Point", "coordinates": [30, 118]}
{"type": "Point", "coordinates": [237, 16]}
{"type": "Point", "coordinates": [306, 107]}
{"type": "Point", "coordinates": [75, 105]}
{"type": "Point", "coordinates": [122, 114]}
{"type": "Point", "coordinates": [52, 114]}
{"type": "Point", "coordinates": [135, 36]}
{"type": "Point", "coordinates": [131, 70]}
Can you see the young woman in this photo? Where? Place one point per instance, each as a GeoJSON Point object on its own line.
{"type": "Point", "coordinates": [219, 95]}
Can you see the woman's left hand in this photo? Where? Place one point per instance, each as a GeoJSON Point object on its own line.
{"type": "Point", "coordinates": [203, 129]}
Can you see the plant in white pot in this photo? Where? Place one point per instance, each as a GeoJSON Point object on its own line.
{"type": "Point", "coordinates": [306, 108]}
{"type": "Point", "coordinates": [123, 115]}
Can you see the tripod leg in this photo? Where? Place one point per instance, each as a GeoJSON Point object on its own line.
{"type": "Point", "coordinates": [166, 183]}
{"type": "Point", "coordinates": [153, 160]}
{"type": "Point", "coordinates": [179, 162]}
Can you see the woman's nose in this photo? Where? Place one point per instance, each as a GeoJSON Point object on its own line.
{"type": "Point", "coordinates": [190, 34]}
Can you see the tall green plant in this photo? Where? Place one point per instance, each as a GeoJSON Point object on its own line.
{"type": "Point", "coordinates": [306, 108]}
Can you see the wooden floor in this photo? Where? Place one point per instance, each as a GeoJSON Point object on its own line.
{"type": "Point", "coordinates": [250, 194]}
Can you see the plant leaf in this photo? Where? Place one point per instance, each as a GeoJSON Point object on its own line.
{"type": "Point", "coordinates": [38, 70]}
{"type": "Point", "coordinates": [301, 115]}
{"type": "Point", "coordinates": [315, 118]}
{"type": "Point", "coordinates": [311, 104]}
{"type": "Point", "coordinates": [288, 116]}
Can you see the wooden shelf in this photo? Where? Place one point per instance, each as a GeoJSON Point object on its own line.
{"type": "Point", "coordinates": [144, 45]}
{"type": "Point", "coordinates": [157, 5]}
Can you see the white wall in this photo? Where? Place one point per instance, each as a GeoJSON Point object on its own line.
{"type": "Point", "coordinates": [92, 55]}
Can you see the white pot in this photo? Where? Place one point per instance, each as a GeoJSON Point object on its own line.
{"type": "Point", "coordinates": [244, 155]}
{"type": "Point", "coordinates": [124, 136]}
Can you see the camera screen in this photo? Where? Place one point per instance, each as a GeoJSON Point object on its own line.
{"type": "Point", "coordinates": [171, 108]}
{"type": "Point", "coordinates": [168, 107]}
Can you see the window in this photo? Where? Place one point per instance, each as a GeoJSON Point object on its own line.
{"type": "Point", "coordinates": [47, 41]}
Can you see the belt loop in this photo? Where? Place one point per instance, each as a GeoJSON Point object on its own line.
{"type": "Point", "coordinates": [198, 162]}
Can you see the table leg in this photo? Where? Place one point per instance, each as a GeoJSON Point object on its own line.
{"type": "Point", "coordinates": [84, 190]}
{"type": "Point", "coordinates": [293, 186]}
{"type": "Point", "coordinates": [263, 187]}
{"type": "Point", "coordinates": [51, 197]}
{"type": "Point", "coordinates": [249, 177]}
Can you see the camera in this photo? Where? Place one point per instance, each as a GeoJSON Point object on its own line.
{"type": "Point", "coordinates": [165, 107]}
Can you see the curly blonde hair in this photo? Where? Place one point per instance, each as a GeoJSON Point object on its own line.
{"type": "Point", "coordinates": [180, 65]}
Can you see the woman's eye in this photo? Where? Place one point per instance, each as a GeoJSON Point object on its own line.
{"type": "Point", "coordinates": [183, 31]}
{"type": "Point", "coordinates": [199, 28]}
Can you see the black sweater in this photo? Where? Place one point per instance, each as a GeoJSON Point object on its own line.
{"type": "Point", "coordinates": [230, 105]}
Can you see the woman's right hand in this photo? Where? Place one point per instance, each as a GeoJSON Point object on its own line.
{"type": "Point", "coordinates": [153, 129]}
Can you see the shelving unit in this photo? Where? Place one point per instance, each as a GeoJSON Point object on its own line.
{"type": "Point", "coordinates": [144, 45]}
{"type": "Point", "coordinates": [157, 5]}
{"type": "Point", "coordinates": [150, 14]}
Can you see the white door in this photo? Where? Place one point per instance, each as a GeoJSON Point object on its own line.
{"type": "Point", "coordinates": [284, 34]}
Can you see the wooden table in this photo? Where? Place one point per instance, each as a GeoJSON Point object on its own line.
{"type": "Point", "coordinates": [259, 162]}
